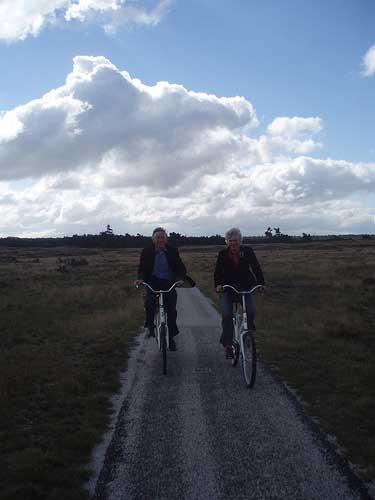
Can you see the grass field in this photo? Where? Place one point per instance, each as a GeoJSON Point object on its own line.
{"type": "Point", "coordinates": [65, 332]}
{"type": "Point", "coordinates": [66, 327]}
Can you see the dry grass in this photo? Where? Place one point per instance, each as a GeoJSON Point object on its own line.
{"type": "Point", "coordinates": [64, 340]}
{"type": "Point", "coordinates": [315, 327]}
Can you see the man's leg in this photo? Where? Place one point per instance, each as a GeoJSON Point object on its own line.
{"type": "Point", "coordinates": [227, 318]}
{"type": "Point", "coordinates": [150, 311]}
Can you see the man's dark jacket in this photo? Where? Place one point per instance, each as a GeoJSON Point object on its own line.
{"type": "Point", "coordinates": [245, 276]}
{"type": "Point", "coordinates": [146, 263]}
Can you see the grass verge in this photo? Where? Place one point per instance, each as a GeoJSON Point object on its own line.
{"type": "Point", "coordinates": [64, 339]}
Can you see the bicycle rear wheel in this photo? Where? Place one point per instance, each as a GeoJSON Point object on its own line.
{"type": "Point", "coordinates": [163, 347]}
{"type": "Point", "coordinates": [249, 359]}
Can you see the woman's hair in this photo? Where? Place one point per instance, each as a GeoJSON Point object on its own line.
{"type": "Point", "coordinates": [232, 233]}
{"type": "Point", "coordinates": [159, 230]}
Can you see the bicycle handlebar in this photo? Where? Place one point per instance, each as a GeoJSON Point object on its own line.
{"type": "Point", "coordinates": [179, 282]}
{"type": "Point", "coordinates": [244, 292]}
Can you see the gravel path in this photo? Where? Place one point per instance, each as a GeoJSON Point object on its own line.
{"type": "Point", "coordinates": [198, 433]}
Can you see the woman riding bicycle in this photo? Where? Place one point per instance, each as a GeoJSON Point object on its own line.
{"type": "Point", "coordinates": [238, 266]}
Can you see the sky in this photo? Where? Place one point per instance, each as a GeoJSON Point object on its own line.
{"type": "Point", "coordinates": [196, 115]}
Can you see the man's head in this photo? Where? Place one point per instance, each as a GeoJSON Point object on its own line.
{"type": "Point", "coordinates": [233, 239]}
{"type": "Point", "coordinates": [159, 238]}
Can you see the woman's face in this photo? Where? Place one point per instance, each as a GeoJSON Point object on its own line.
{"type": "Point", "coordinates": [234, 245]}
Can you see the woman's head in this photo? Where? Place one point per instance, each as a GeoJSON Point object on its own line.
{"type": "Point", "coordinates": [233, 239]}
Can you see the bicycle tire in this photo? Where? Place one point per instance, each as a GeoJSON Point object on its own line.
{"type": "Point", "coordinates": [237, 324]}
{"type": "Point", "coordinates": [163, 347]}
{"type": "Point", "coordinates": [236, 352]}
{"type": "Point", "coordinates": [156, 326]}
{"type": "Point", "coordinates": [249, 359]}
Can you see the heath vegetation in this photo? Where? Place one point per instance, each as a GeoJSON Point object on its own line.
{"type": "Point", "coordinates": [66, 322]}
{"type": "Point", "coordinates": [68, 316]}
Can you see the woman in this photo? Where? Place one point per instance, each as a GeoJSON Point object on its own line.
{"type": "Point", "coordinates": [238, 266]}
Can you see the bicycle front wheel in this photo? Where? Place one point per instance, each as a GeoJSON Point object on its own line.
{"type": "Point", "coordinates": [236, 352]}
{"type": "Point", "coordinates": [249, 359]}
{"type": "Point", "coordinates": [163, 347]}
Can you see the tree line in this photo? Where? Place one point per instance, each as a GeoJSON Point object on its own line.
{"type": "Point", "coordinates": [108, 239]}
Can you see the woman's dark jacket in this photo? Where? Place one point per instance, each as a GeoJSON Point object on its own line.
{"type": "Point", "coordinates": [246, 275]}
{"type": "Point", "coordinates": [146, 263]}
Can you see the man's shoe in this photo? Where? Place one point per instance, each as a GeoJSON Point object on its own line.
{"type": "Point", "coordinates": [172, 344]}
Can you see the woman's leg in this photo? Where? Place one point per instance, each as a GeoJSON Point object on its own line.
{"type": "Point", "coordinates": [250, 310]}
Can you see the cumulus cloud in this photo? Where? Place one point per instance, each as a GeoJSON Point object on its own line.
{"type": "Point", "coordinates": [21, 18]}
{"type": "Point", "coordinates": [368, 62]}
{"type": "Point", "coordinates": [107, 148]}
{"type": "Point", "coordinates": [129, 133]}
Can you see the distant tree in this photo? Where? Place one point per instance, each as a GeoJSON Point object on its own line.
{"type": "Point", "coordinates": [268, 233]}
{"type": "Point", "coordinates": [107, 232]}
{"type": "Point", "coordinates": [277, 232]}
{"type": "Point", "coordinates": [306, 237]}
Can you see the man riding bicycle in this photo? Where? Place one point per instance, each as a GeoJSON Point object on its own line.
{"type": "Point", "coordinates": [160, 265]}
{"type": "Point", "coordinates": [238, 266]}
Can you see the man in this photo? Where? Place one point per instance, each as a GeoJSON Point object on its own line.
{"type": "Point", "coordinates": [238, 266]}
{"type": "Point", "coordinates": [160, 265]}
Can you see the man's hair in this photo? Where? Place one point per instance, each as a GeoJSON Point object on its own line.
{"type": "Point", "coordinates": [159, 230]}
{"type": "Point", "coordinates": [232, 233]}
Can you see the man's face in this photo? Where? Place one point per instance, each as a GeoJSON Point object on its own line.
{"type": "Point", "coordinates": [160, 240]}
{"type": "Point", "coordinates": [234, 245]}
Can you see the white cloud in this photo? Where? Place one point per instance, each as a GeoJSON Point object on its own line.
{"type": "Point", "coordinates": [10, 126]}
{"type": "Point", "coordinates": [368, 62]}
{"type": "Point", "coordinates": [106, 148]}
{"type": "Point", "coordinates": [128, 132]}
{"type": "Point", "coordinates": [294, 127]}
{"type": "Point", "coordinates": [21, 18]}
{"type": "Point", "coordinates": [84, 8]}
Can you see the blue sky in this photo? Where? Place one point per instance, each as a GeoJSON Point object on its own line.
{"type": "Point", "coordinates": [296, 152]}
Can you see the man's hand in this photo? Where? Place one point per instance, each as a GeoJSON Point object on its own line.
{"type": "Point", "coordinates": [137, 283]}
{"type": "Point", "coordinates": [219, 289]}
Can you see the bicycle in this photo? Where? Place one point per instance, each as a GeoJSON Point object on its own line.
{"type": "Point", "coordinates": [160, 321]}
{"type": "Point", "coordinates": [243, 339]}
